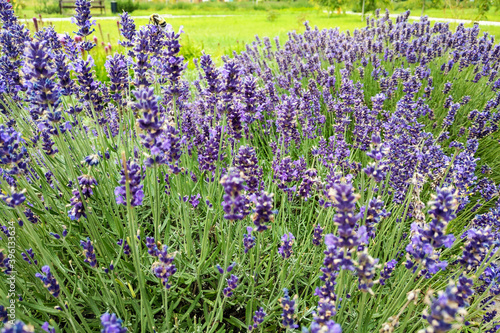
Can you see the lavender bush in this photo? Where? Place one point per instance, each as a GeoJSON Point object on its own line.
{"type": "Point", "coordinates": [333, 182]}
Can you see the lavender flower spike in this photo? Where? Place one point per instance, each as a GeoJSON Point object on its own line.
{"type": "Point", "coordinates": [288, 314]}
{"type": "Point", "coordinates": [235, 204]}
{"type": "Point", "coordinates": [445, 311]}
{"type": "Point", "coordinates": [232, 283]}
{"type": "Point", "coordinates": [88, 251]}
{"type": "Point", "coordinates": [286, 245]}
{"type": "Point", "coordinates": [387, 271]}
{"type": "Point", "coordinates": [111, 324]}
{"type": "Point", "coordinates": [17, 327]}
{"type": "Point", "coordinates": [82, 18]}
{"type": "Point", "coordinates": [318, 230]}
{"type": "Point", "coordinates": [263, 210]}
{"type": "Point", "coordinates": [365, 270]}
{"type": "Point", "coordinates": [165, 267]}
{"type": "Point", "coordinates": [133, 175]}
{"type": "Point", "coordinates": [248, 239]}
{"type": "Point", "coordinates": [49, 281]}
{"type": "Point", "coordinates": [257, 319]}
{"type": "Point", "coordinates": [127, 30]}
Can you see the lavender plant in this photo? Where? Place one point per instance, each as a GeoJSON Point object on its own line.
{"type": "Point", "coordinates": [302, 169]}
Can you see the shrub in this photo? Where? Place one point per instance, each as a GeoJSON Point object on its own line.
{"type": "Point", "coordinates": [127, 5]}
{"type": "Point", "coordinates": [272, 15]}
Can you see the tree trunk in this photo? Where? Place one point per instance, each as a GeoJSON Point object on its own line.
{"type": "Point", "coordinates": [363, 11]}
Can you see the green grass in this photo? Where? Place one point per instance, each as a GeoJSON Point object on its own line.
{"type": "Point", "coordinates": [222, 35]}
{"type": "Point", "coordinates": [29, 8]}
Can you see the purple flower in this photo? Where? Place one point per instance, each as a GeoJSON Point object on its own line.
{"type": "Point", "coordinates": [317, 237]}
{"type": "Point", "coordinates": [376, 171]}
{"type": "Point", "coordinates": [246, 162]}
{"type": "Point", "coordinates": [14, 199]}
{"type": "Point", "coordinates": [286, 245]}
{"type": "Point", "coordinates": [248, 239]}
{"type": "Point", "coordinates": [464, 290]}
{"type": "Point", "coordinates": [3, 314]}
{"type": "Point", "coordinates": [477, 246]}
{"type": "Point", "coordinates": [286, 120]}
{"type": "Point", "coordinates": [91, 160]}
{"type": "Point", "coordinates": [147, 107]}
{"type": "Point", "coordinates": [88, 252]}
{"type": "Point", "coordinates": [169, 144]}
{"type": "Point", "coordinates": [47, 329]}
{"type": "Point", "coordinates": [132, 174]}
{"type": "Point", "coordinates": [211, 74]}
{"type": "Point", "coordinates": [288, 314]}
{"type": "Point", "coordinates": [310, 181]}
{"type": "Point", "coordinates": [195, 200]}
{"type": "Point", "coordinates": [17, 327]}
{"type": "Point", "coordinates": [63, 74]}
{"type": "Point", "coordinates": [86, 182]}
{"type": "Point", "coordinates": [142, 66]}
{"type": "Point", "coordinates": [43, 93]}
{"type": "Point", "coordinates": [77, 208]}
{"type": "Point", "coordinates": [445, 310]}
{"type": "Point", "coordinates": [385, 274]}
{"type": "Point", "coordinates": [230, 267]}
{"type": "Point", "coordinates": [13, 153]}
{"type": "Point", "coordinates": [447, 88]}
{"type": "Point", "coordinates": [82, 18]}
{"type": "Point", "coordinates": [111, 324]}
{"type": "Point", "coordinates": [49, 281]}
{"type": "Point", "coordinates": [171, 69]}
{"type": "Point", "coordinates": [374, 214]}
{"type": "Point", "coordinates": [4, 263]}
{"type": "Point", "coordinates": [126, 247]}
{"type": "Point", "coordinates": [263, 210]}
{"type": "Point", "coordinates": [212, 149]}
{"type": "Point", "coordinates": [328, 327]}
{"type": "Point", "coordinates": [344, 200]}
{"type": "Point", "coordinates": [127, 30]}
{"type": "Point", "coordinates": [30, 216]}
{"type": "Point", "coordinates": [29, 257]}
{"type": "Point", "coordinates": [450, 117]}
{"type": "Point", "coordinates": [235, 203]}
{"type": "Point", "coordinates": [152, 247]}
{"type": "Point", "coordinates": [365, 270]}
{"type": "Point", "coordinates": [93, 94]}
{"type": "Point", "coordinates": [164, 268]}
{"type": "Point", "coordinates": [117, 69]}
{"type": "Point", "coordinates": [258, 318]}
{"type": "Point", "coordinates": [431, 236]}
{"type": "Point", "coordinates": [232, 284]}
{"type": "Point", "coordinates": [378, 149]}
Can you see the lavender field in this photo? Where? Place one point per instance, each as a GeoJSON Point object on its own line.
{"type": "Point", "coordinates": [332, 182]}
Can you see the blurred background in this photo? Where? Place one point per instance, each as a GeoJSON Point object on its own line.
{"type": "Point", "coordinates": [223, 27]}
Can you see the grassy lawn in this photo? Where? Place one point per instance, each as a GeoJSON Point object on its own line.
{"type": "Point", "coordinates": [460, 13]}
{"type": "Point", "coordinates": [222, 35]}
{"type": "Point", "coordinates": [29, 8]}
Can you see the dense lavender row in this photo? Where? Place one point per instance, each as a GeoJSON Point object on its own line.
{"type": "Point", "coordinates": [285, 189]}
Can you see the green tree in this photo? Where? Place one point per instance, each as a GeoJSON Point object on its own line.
{"type": "Point", "coordinates": [331, 5]}
{"type": "Point", "coordinates": [367, 6]}
{"type": "Point", "coordinates": [483, 6]}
